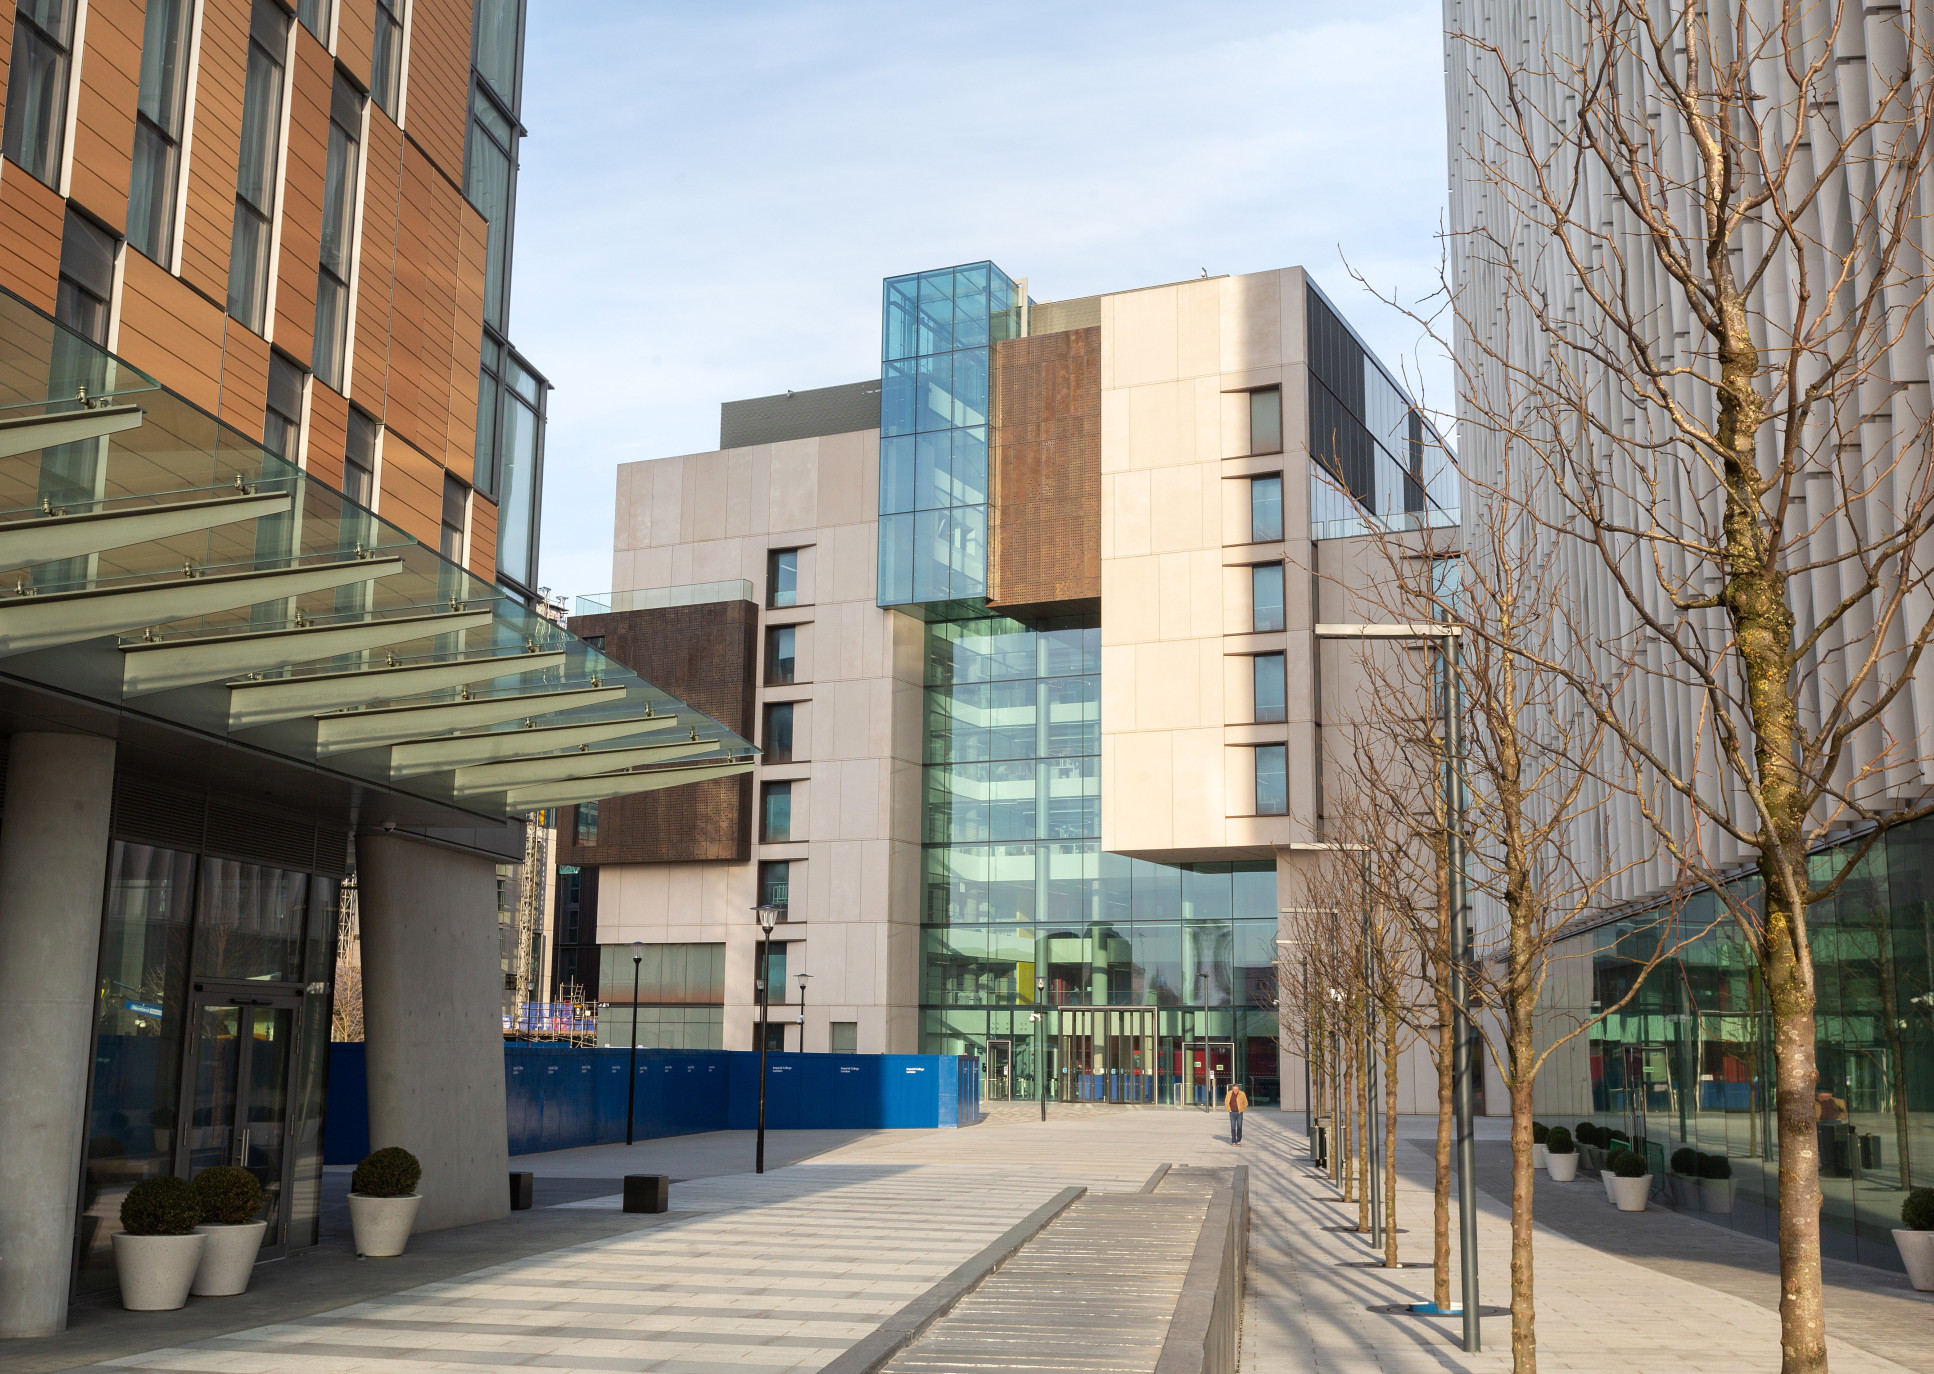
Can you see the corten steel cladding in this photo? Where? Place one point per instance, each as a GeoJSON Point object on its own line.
{"type": "Point", "coordinates": [1044, 523]}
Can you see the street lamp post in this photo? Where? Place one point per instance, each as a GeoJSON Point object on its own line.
{"type": "Point", "coordinates": [1040, 1042]}
{"type": "Point", "coordinates": [768, 916]}
{"type": "Point", "coordinates": [631, 1093]}
{"type": "Point", "coordinates": [802, 1011]}
{"type": "Point", "coordinates": [1445, 638]}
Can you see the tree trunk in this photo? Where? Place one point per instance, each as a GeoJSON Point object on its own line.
{"type": "Point", "coordinates": [1364, 1182]}
{"type": "Point", "coordinates": [1348, 1098]}
{"type": "Point", "coordinates": [1390, 1137]}
{"type": "Point", "coordinates": [1524, 1312]}
{"type": "Point", "coordinates": [1803, 1322]}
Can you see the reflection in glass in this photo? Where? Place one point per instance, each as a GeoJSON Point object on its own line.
{"type": "Point", "coordinates": [1266, 588]}
{"type": "Point", "coordinates": [251, 923]}
{"type": "Point", "coordinates": [1272, 780]}
{"type": "Point", "coordinates": [1271, 688]}
{"type": "Point", "coordinates": [1265, 509]}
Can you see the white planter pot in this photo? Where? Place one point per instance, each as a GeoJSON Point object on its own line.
{"type": "Point", "coordinates": [1605, 1177]}
{"type": "Point", "coordinates": [1630, 1193]}
{"type": "Point", "coordinates": [228, 1259]}
{"type": "Point", "coordinates": [382, 1224]}
{"type": "Point", "coordinates": [1716, 1194]}
{"type": "Point", "coordinates": [155, 1271]}
{"type": "Point", "coordinates": [1685, 1192]}
{"type": "Point", "coordinates": [1917, 1253]}
{"type": "Point", "coordinates": [1538, 1156]}
{"type": "Point", "coordinates": [1562, 1168]}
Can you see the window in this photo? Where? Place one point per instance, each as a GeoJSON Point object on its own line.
{"type": "Point", "coordinates": [43, 38]}
{"type": "Point", "coordinates": [1265, 510]}
{"type": "Point", "coordinates": [386, 60]}
{"type": "Point", "coordinates": [490, 175]}
{"type": "Point", "coordinates": [782, 577]}
{"type": "Point", "coordinates": [844, 1037]}
{"type": "Point", "coordinates": [775, 813]}
{"type": "Point", "coordinates": [248, 259]}
{"type": "Point", "coordinates": [774, 884]}
{"type": "Point", "coordinates": [1266, 421]}
{"type": "Point", "coordinates": [456, 501]}
{"type": "Point", "coordinates": [510, 453]}
{"type": "Point", "coordinates": [775, 1033]}
{"type": "Point", "coordinates": [500, 26]}
{"type": "Point", "coordinates": [282, 424]}
{"type": "Point", "coordinates": [586, 824]}
{"type": "Point", "coordinates": [1272, 780]}
{"type": "Point", "coordinates": [781, 643]}
{"type": "Point", "coordinates": [1266, 591]}
{"type": "Point", "coordinates": [86, 277]}
{"type": "Point", "coordinates": [1271, 690]}
{"type": "Point", "coordinates": [359, 460]}
{"type": "Point", "coordinates": [158, 118]}
{"type": "Point", "coordinates": [315, 16]}
{"type": "Point", "coordinates": [778, 736]}
{"type": "Point", "coordinates": [338, 228]}
{"type": "Point", "coordinates": [774, 972]}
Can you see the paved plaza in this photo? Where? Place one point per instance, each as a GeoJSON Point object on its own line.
{"type": "Point", "coordinates": [783, 1272]}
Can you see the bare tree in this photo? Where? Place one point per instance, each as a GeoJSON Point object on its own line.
{"type": "Point", "coordinates": [1691, 284]}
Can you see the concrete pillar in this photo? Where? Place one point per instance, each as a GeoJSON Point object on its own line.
{"type": "Point", "coordinates": [53, 866]}
{"type": "Point", "coordinates": [433, 1021]}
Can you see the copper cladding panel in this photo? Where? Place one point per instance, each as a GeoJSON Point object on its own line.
{"type": "Point", "coordinates": [1044, 468]}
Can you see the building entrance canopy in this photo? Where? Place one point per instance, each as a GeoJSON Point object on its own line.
{"type": "Point", "coordinates": [156, 563]}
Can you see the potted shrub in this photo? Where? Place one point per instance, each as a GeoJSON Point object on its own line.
{"type": "Point", "coordinates": [1587, 1137]}
{"type": "Point", "coordinates": [1613, 1157]}
{"type": "Point", "coordinates": [1540, 1137]}
{"type": "Point", "coordinates": [157, 1249]}
{"type": "Point", "coordinates": [1716, 1183]}
{"type": "Point", "coordinates": [1631, 1181]}
{"type": "Point", "coordinates": [1561, 1156]}
{"type": "Point", "coordinates": [383, 1201]}
{"type": "Point", "coordinates": [1916, 1238]}
{"type": "Point", "coordinates": [1685, 1178]}
{"type": "Point", "coordinates": [230, 1198]}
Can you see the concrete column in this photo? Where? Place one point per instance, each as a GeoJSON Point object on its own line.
{"type": "Point", "coordinates": [433, 1020]}
{"type": "Point", "coordinates": [53, 867]}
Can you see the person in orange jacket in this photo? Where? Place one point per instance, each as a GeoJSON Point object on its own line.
{"type": "Point", "coordinates": [1237, 1102]}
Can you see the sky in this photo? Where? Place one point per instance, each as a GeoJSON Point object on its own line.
{"type": "Point", "coordinates": [711, 191]}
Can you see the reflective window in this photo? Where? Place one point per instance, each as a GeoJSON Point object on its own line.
{"type": "Point", "coordinates": [315, 16]}
{"type": "Point", "coordinates": [248, 260]}
{"type": "Point", "coordinates": [282, 419]}
{"type": "Point", "coordinates": [36, 125]}
{"type": "Point", "coordinates": [386, 56]}
{"type": "Point", "coordinates": [158, 115]}
{"type": "Point", "coordinates": [585, 827]}
{"type": "Point", "coordinates": [781, 648]}
{"type": "Point", "coordinates": [456, 504]}
{"type": "Point", "coordinates": [844, 1037]}
{"type": "Point", "coordinates": [1271, 690]}
{"type": "Point", "coordinates": [1272, 780]}
{"type": "Point", "coordinates": [1266, 588]}
{"type": "Point", "coordinates": [86, 281]}
{"type": "Point", "coordinates": [782, 577]}
{"type": "Point", "coordinates": [775, 882]}
{"type": "Point", "coordinates": [775, 813]}
{"type": "Point", "coordinates": [359, 460]}
{"type": "Point", "coordinates": [499, 30]}
{"type": "Point", "coordinates": [1266, 421]}
{"type": "Point", "coordinates": [777, 742]}
{"type": "Point", "coordinates": [251, 921]}
{"type": "Point", "coordinates": [1265, 509]}
{"type": "Point", "coordinates": [338, 227]}
{"type": "Point", "coordinates": [490, 172]}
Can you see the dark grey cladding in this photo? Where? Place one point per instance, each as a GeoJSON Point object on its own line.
{"type": "Point", "coordinates": [800, 414]}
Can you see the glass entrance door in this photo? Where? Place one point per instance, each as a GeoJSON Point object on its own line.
{"type": "Point", "coordinates": [1108, 1054]}
{"type": "Point", "coordinates": [1000, 1070]}
{"type": "Point", "coordinates": [238, 1109]}
{"type": "Point", "coordinates": [1206, 1066]}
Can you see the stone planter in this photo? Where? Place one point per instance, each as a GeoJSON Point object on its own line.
{"type": "Point", "coordinates": [1685, 1191]}
{"type": "Point", "coordinates": [1716, 1195]}
{"type": "Point", "coordinates": [156, 1271]}
{"type": "Point", "coordinates": [1538, 1156]}
{"type": "Point", "coordinates": [1629, 1194]}
{"type": "Point", "coordinates": [382, 1224]}
{"type": "Point", "coordinates": [228, 1258]}
{"type": "Point", "coordinates": [1562, 1168]}
{"type": "Point", "coordinates": [1917, 1253]}
{"type": "Point", "coordinates": [1605, 1177]}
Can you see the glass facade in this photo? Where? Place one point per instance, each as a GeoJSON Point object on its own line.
{"type": "Point", "coordinates": [1027, 925]}
{"type": "Point", "coordinates": [1690, 1060]}
{"type": "Point", "coordinates": [934, 379]}
{"type": "Point", "coordinates": [680, 996]}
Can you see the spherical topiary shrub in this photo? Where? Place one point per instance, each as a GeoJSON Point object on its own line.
{"type": "Point", "coordinates": [1685, 1161]}
{"type": "Point", "coordinates": [1917, 1213]}
{"type": "Point", "coordinates": [389, 1172]}
{"type": "Point", "coordinates": [164, 1206]}
{"type": "Point", "coordinates": [229, 1196]}
{"type": "Point", "coordinates": [1540, 1133]}
{"type": "Point", "coordinates": [1629, 1164]}
{"type": "Point", "coordinates": [1559, 1142]}
{"type": "Point", "coordinates": [1715, 1167]}
{"type": "Point", "coordinates": [1585, 1133]}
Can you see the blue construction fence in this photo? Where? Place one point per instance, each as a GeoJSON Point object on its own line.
{"type": "Point", "coordinates": [558, 1097]}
